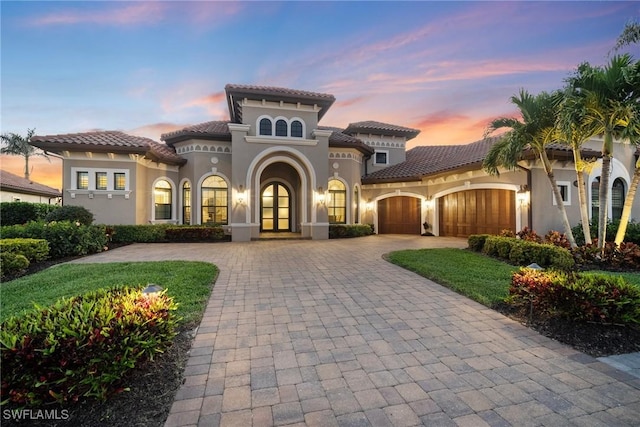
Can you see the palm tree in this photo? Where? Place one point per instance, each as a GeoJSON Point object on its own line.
{"type": "Point", "coordinates": [607, 99]}
{"type": "Point", "coordinates": [18, 145]}
{"type": "Point", "coordinates": [570, 131]}
{"type": "Point", "coordinates": [630, 35]}
{"type": "Point", "coordinates": [534, 132]}
{"type": "Point", "coordinates": [632, 133]}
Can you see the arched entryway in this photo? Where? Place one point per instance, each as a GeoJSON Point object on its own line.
{"type": "Point", "coordinates": [275, 208]}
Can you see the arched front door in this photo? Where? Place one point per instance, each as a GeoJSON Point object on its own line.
{"type": "Point", "coordinates": [275, 208]}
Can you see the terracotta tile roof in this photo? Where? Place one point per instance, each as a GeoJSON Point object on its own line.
{"type": "Point", "coordinates": [371, 126]}
{"type": "Point", "coordinates": [430, 160]}
{"type": "Point", "coordinates": [19, 184]}
{"type": "Point", "coordinates": [340, 139]}
{"type": "Point", "coordinates": [235, 93]}
{"type": "Point", "coordinates": [217, 130]}
{"type": "Point", "coordinates": [108, 141]}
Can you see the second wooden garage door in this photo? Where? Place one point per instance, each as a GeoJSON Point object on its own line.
{"type": "Point", "coordinates": [399, 215]}
{"type": "Point", "coordinates": [477, 212]}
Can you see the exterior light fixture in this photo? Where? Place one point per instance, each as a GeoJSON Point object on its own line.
{"type": "Point", "coordinates": [320, 196]}
{"type": "Point", "coordinates": [369, 205]}
{"type": "Point", "coordinates": [523, 195]}
{"type": "Point", "coordinates": [240, 195]}
{"type": "Point", "coordinates": [429, 202]}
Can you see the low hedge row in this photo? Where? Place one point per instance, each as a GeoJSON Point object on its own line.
{"type": "Point", "coordinates": [12, 264]}
{"type": "Point", "coordinates": [12, 213]}
{"type": "Point", "coordinates": [341, 231]}
{"type": "Point", "coordinates": [632, 235]}
{"type": "Point", "coordinates": [65, 238]}
{"type": "Point", "coordinates": [161, 233]}
{"type": "Point", "coordinates": [581, 297]}
{"type": "Point", "coordinates": [17, 254]}
{"type": "Point", "coordinates": [82, 346]}
{"type": "Point", "coordinates": [522, 252]}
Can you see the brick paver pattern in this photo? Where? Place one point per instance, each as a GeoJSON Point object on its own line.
{"type": "Point", "coordinates": [327, 333]}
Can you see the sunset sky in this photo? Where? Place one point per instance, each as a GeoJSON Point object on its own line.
{"type": "Point", "coordinates": [446, 68]}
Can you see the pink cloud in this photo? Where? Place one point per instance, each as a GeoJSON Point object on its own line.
{"type": "Point", "coordinates": [155, 130]}
{"type": "Point", "coordinates": [440, 118]}
{"type": "Point", "coordinates": [213, 98]}
{"type": "Point", "coordinates": [351, 101]}
{"type": "Point", "coordinates": [133, 14]}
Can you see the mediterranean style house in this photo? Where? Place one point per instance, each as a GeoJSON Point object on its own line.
{"type": "Point", "coordinates": [14, 188]}
{"type": "Point", "coordinates": [273, 168]}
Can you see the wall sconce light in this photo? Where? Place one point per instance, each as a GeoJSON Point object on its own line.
{"type": "Point", "coordinates": [429, 202]}
{"type": "Point", "coordinates": [240, 195]}
{"type": "Point", "coordinates": [369, 205]}
{"type": "Point", "coordinates": [320, 196]}
{"type": "Point", "coordinates": [523, 195]}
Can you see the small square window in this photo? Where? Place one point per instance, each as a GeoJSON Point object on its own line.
{"type": "Point", "coordinates": [82, 182]}
{"type": "Point", "coordinates": [565, 192]}
{"type": "Point", "coordinates": [381, 158]}
{"type": "Point", "coordinates": [119, 181]}
{"type": "Point", "coordinates": [101, 180]}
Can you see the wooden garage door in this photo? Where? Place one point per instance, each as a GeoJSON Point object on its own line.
{"type": "Point", "coordinates": [399, 215]}
{"type": "Point", "coordinates": [477, 212]}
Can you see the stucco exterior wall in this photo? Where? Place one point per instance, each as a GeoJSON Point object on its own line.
{"type": "Point", "coordinates": [14, 196]}
{"type": "Point", "coordinates": [395, 146]}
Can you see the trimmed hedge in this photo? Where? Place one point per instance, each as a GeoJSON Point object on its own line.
{"type": "Point", "coordinates": [12, 264]}
{"type": "Point", "coordinates": [82, 346]}
{"type": "Point", "coordinates": [34, 250]}
{"type": "Point", "coordinates": [162, 233]}
{"type": "Point", "coordinates": [522, 252]}
{"type": "Point", "coordinates": [342, 231]}
{"type": "Point", "coordinates": [476, 241]}
{"type": "Point", "coordinates": [583, 297]}
{"type": "Point", "coordinates": [72, 214]}
{"type": "Point", "coordinates": [12, 213]}
{"type": "Point", "coordinates": [65, 238]}
{"type": "Point", "coordinates": [632, 235]}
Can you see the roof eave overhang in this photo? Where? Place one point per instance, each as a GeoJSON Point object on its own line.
{"type": "Point", "coordinates": [406, 134]}
{"type": "Point", "coordinates": [196, 135]}
{"type": "Point", "coordinates": [23, 190]}
{"type": "Point", "coordinates": [57, 147]}
{"type": "Point", "coordinates": [363, 148]}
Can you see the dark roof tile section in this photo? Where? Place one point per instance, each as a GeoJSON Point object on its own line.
{"type": "Point", "coordinates": [216, 130]}
{"type": "Point", "coordinates": [340, 139]}
{"type": "Point", "coordinates": [235, 94]}
{"type": "Point", "coordinates": [18, 184]}
{"type": "Point", "coordinates": [108, 141]}
{"type": "Point", "coordinates": [374, 127]}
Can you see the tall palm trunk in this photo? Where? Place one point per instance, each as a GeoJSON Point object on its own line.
{"type": "Point", "coordinates": [26, 167]}
{"type": "Point", "coordinates": [582, 195]}
{"type": "Point", "coordinates": [628, 203]}
{"type": "Point", "coordinates": [603, 193]}
{"type": "Point", "coordinates": [559, 202]}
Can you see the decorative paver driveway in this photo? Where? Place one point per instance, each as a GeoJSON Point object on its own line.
{"type": "Point", "coordinates": [328, 333]}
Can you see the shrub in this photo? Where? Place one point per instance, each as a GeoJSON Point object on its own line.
{"type": "Point", "coordinates": [12, 263]}
{"type": "Point", "coordinates": [626, 255]}
{"type": "Point", "coordinates": [524, 252]}
{"type": "Point", "coordinates": [632, 235]}
{"type": "Point", "coordinates": [72, 214]}
{"type": "Point", "coordinates": [34, 250]}
{"type": "Point", "coordinates": [12, 213]}
{"type": "Point", "coordinates": [139, 233]}
{"type": "Point", "coordinates": [557, 238]}
{"type": "Point", "coordinates": [195, 233]}
{"type": "Point", "coordinates": [581, 297]}
{"type": "Point", "coordinates": [82, 346]}
{"type": "Point", "coordinates": [65, 238]}
{"type": "Point", "coordinates": [529, 235]}
{"type": "Point", "coordinates": [476, 241]}
{"type": "Point", "coordinates": [341, 231]}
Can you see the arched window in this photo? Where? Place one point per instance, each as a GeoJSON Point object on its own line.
{"type": "Point", "coordinates": [214, 200]}
{"type": "Point", "coordinates": [162, 199]}
{"type": "Point", "coordinates": [356, 198]}
{"type": "Point", "coordinates": [595, 199]}
{"type": "Point", "coordinates": [186, 203]}
{"type": "Point", "coordinates": [337, 203]}
{"type": "Point", "coordinates": [281, 128]}
{"type": "Point", "coordinates": [296, 129]}
{"type": "Point", "coordinates": [617, 198]}
{"type": "Point", "coordinates": [265, 127]}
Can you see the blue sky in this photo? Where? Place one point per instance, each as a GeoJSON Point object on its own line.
{"type": "Point", "coordinates": [149, 67]}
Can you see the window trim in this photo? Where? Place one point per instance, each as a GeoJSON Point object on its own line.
{"type": "Point", "coordinates": [77, 184]}
{"type": "Point", "coordinates": [567, 185]}
{"type": "Point", "coordinates": [375, 157]}
{"type": "Point", "coordinates": [201, 204]}
{"type": "Point", "coordinates": [105, 175]}
{"type": "Point", "coordinates": [91, 174]}
{"type": "Point", "coordinates": [344, 207]}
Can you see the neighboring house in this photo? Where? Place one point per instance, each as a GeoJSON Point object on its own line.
{"type": "Point", "coordinates": [14, 188]}
{"type": "Point", "coordinates": [272, 167]}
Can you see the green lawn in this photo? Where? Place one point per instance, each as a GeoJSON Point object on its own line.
{"type": "Point", "coordinates": [474, 275]}
{"type": "Point", "coordinates": [190, 284]}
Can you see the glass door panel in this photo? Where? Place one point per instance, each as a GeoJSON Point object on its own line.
{"type": "Point", "coordinates": [276, 208]}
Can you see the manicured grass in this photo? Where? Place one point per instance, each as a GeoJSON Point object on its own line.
{"type": "Point", "coordinates": [476, 276]}
{"type": "Point", "coordinates": [189, 283]}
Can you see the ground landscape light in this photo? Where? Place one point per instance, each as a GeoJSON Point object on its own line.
{"type": "Point", "coordinates": [152, 289]}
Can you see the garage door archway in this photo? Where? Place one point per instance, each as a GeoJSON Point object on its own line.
{"type": "Point", "coordinates": [480, 211]}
